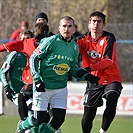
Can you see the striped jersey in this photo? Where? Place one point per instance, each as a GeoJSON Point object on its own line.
{"type": "Point", "coordinates": [57, 59]}
{"type": "Point", "coordinates": [13, 65]}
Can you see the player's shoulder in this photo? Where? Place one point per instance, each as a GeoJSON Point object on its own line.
{"type": "Point", "coordinates": [109, 35]}
{"type": "Point", "coordinates": [82, 36]}
{"type": "Point", "coordinates": [13, 53]}
{"type": "Point", "coordinates": [30, 40]}
{"type": "Point", "coordinates": [49, 38]}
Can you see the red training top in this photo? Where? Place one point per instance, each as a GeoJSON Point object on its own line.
{"type": "Point", "coordinates": [100, 55]}
{"type": "Point", "coordinates": [27, 47]}
{"type": "Point", "coordinates": [15, 35]}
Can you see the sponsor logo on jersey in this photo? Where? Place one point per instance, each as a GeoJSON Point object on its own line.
{"type": "Point", "coordinates": [61, 69]}
{"type": "Point", "coordinates": [63, 57]}
{"type": "Point", "coordinates": [93, 54]}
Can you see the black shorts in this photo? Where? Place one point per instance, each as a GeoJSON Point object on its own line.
{"type": "Point", "coordinates": [94, 93]}
{"type": "Point", "coordinates": [27, 90]}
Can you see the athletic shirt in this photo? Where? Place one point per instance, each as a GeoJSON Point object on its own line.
{"type": "Point", "coordinates": [14, 64]}
{"type": "Point", "coordinates": [100, 55]}
{"type": "Point", "coordinates": [57, 59]}
{"type": "Point", "coordinates": [15, 35]}
{"type": "Point", "coordinates": [27, 47]}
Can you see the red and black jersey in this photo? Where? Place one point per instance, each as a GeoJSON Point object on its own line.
{"type": "Point", "coordinates": [100, 55]}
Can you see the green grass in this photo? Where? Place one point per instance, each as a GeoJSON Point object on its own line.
{"type": "Point", "coordinates": [72, 124]}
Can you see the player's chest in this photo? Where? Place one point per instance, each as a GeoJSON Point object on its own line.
{"type": "Point", "coordinates": [95, 47]}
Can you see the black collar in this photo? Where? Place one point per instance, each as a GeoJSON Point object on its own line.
{"type": "Point", "coordinates": [65, 39]}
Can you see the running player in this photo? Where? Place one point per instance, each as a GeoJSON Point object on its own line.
{"type": "Point", "coordinates": [98, 50]}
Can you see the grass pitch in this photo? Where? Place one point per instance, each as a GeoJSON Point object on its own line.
{"type": "Point", "coordinates": [72, 124]}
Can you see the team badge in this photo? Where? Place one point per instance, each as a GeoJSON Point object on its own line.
{"type": "Point", "coordinates": [101, 42]}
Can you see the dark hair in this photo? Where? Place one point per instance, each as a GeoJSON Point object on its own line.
{"type": "Point", "coordinates": [27, 31]}
{"type": "Point", "coordinates": [68, 18]}
{"type": "Point", "coordinates": [42, 15]}
{"type": "Point", "coordinates": [99, 14]}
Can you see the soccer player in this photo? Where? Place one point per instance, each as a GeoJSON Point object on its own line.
{"type": "Point", "coordinates": [19, 89]}
{"type": "Point", "coordinates": [25, 34]}
{"type": "Point", "coordinates": [57, 56]}
{"type": "Point", "coordinates": [98, 50]}
{"type": "Point", "coordinates": [13, 65]}
{"type": "Point", "coordinates": [28, 45]}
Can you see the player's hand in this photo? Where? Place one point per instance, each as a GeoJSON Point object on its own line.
{"type": "Point", "coordinates": [40, 87]}
{"type": "Point", "coordinates": [83, 71]}
{"type": "Point", "coordinates": [92, 78]}
{"type": "Point", "coordinates": [9, 93]}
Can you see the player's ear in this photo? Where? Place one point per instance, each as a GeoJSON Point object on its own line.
{"type": "Point", "coordinates": [74, 29]}
{"type": "Point", "coordinates": [59, 27]}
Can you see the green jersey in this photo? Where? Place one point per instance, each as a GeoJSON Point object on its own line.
{"type": "Point", "coordinates": [58, 58]}
{"type": "Point", "coordinates": [13, 65]}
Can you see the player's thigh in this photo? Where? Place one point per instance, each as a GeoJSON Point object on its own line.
{"type": "Point", "coordinates": [93, 95]}
{"type": "Point", "coordinates": [59, 99]}
{"type": "Point", "coordinates": [114, 87]}
{"type": "Point", "coordinates": [40, 100]}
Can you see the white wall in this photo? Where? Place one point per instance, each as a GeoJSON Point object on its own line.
{"type": "Point", "coordinates": [75, 99]}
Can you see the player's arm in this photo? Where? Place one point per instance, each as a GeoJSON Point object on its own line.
{"type": "Point", "coordinates": [12, 46]}
{"type": "Point", "coordinates": [3, 48]}
{"type": "Point", "coordinates": [109, 54]}
{"type": "Point", "coordinates": [74, 64]}
{"type": "Point", "coordinates": [4, 70]}
{"type": "Point", "coordinates": [40, 52]}
{"type": "Point", "coordinates": [6, 67]}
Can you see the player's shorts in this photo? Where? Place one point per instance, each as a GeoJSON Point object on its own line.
{"type": "Point", "coordinates": [27, 90]}
{"type": "Point", "coordinates": [27, 94]}
{"type": "Point", "coordinates": [94, 93]}
{"type": "Point", "coordinates": [57, 98]}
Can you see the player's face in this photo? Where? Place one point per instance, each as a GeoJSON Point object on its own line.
{"type": "Point", "coordinates": [66, 28]}
{"type": "Point", "coordinates": [96, 24]}
{"type": "Point", "coordinates": [41, 20]}
{"type": "Point", "coordinates": [24, 36]}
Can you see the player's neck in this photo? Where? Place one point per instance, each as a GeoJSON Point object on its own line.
{"type": "Point", "coordinates": [96, 36]}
